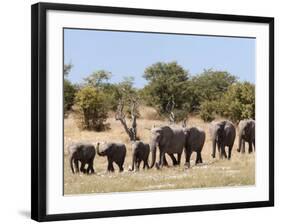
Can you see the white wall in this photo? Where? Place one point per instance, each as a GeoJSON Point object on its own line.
{"type": "Point", "coordinates": [15, 86]}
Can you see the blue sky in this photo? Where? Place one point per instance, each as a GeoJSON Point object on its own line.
{"type": "Point", "coordinates": [129, 53]}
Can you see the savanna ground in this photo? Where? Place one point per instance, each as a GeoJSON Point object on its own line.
{"type": "Point", "coordinates": [239, 171]}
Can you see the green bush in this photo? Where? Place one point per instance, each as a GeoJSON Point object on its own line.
{"type": "Point", "coordinates": [92, 108]}
{"type": "Point", "coordinates": [209, 86]}
{"type": "Point", "coordinates": [208, 110]}
{"type": "Point", "coordinates": [239, 101]}
{"type": "Point", "coordinates": [69, 91]}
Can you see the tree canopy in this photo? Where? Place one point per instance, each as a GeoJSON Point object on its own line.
{"type": "Point", "coordinates": [166, 82]}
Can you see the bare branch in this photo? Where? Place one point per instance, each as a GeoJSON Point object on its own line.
{"type": "Point", "coordinates": [169, 108]}
{"type": "Point", "coordinates": [184, 123]}
{"type": "Point", "coordinates": [120, 115]}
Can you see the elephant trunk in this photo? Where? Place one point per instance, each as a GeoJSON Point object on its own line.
{"type": "Point", "coordinates": [98, 150]}
{"type": "Point", "coordinates": [153, 152]}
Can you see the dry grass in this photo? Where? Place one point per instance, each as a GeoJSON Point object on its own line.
{"type": "Point", "coordinates": [212, 173]}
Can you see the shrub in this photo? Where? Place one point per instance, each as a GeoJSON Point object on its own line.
{"type": "Point", "coordinates": [239, 101]}
{"type": "Point", "coordinates": [209, 86]}
{"type": "Point", "coordinates": [92, 108]}
{"type": "Point", "coordinates": [208, 110]}
{"type": "Point", "coordinates": [68, 95]}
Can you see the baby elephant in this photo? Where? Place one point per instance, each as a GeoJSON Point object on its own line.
{"type": "Point", "coordinates": [140, 153]}
{"type": "Point", "coordinates": [195, 139]}
{"type": "Point", "coordinates": [85, 153]}
{"type": "Point", "coordinates": [115, 152]}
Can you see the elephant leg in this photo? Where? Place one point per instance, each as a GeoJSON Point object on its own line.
{"type": "Point", "coordinates": [219, 149]}
{"type": "Point", "coordinates": [223, 153]}
{"type": "Point", "coordinates": [135, 164]}
{"type": "Point", "coordinates": [165, 162]}
{"type": "Point", "coordinates": [197, 158]}
{"type": "Point", "coordinates": [250, 146]}
{"type": "Point", "coordinates": [120, 165]}
{"type": "Point", "coordinates": [92, 170]}
{"type": "Point", "coordinates": [76, 165]}
{"type": "Point", "coordinates": [145, 164]}
{"type": "Point", "coordinates": [110, 167]}
{"type": "Point", "coordinates": [82, 168]}
{"type": "Point", "coordinates": [90, 167]}
{"type": "Point", "coordinates": [161, 160]}
{"type": "Point", "coordinates": [243, 146]}
{"type": "Point", "coordinates": [200, 159]}
{"type": "Point", "coordinates": [179, 159]}
{"type": "Point", "coordinates": [254, 145]}
{"type": "Point", "coordinates": [138, 165]}
{"type": "Point", "coordinates": [187, 158]}
{"type": "Point", "coordinates": [175, 162]}
{"type": "Point", "coordinates": [161, 163]}
{"type": "Point", "coordinates": [229, 152]}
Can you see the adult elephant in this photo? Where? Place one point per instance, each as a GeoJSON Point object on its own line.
{"type": "Point", "coordinates": [169, 140]}
{"type": "Point", "coordinates": [195, 139]}
{"type": "Point", "coordinates": [85, 153]}
{"type": "Point", "coordinates": [223, 135]}
{"type": "Point", "coordinates": [246, 133]}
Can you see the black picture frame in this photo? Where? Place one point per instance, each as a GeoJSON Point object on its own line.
{"type": "Point", "coordinates": [39, 107]}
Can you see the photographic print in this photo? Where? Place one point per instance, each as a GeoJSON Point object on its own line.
{"type": "Point", "coordinates": [157, 111]}
{"type": "Point", "coordinates": [144, 111]}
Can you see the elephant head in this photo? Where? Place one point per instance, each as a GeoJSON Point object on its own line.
{"type": "Point", "coordinates": [160, 137]}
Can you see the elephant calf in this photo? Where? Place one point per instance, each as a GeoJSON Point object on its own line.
{"type": "Point", "coordinates": [140, 153]}
{"type": "Point", "coordinates": [115, 152]}
{"type": "Point", "coordinates": [195, 139]}
{"type": "Point", "coordinates": [85, 153]}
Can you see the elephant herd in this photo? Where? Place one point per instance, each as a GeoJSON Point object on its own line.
{"type": "Point", "coordinates": [170, 141]}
